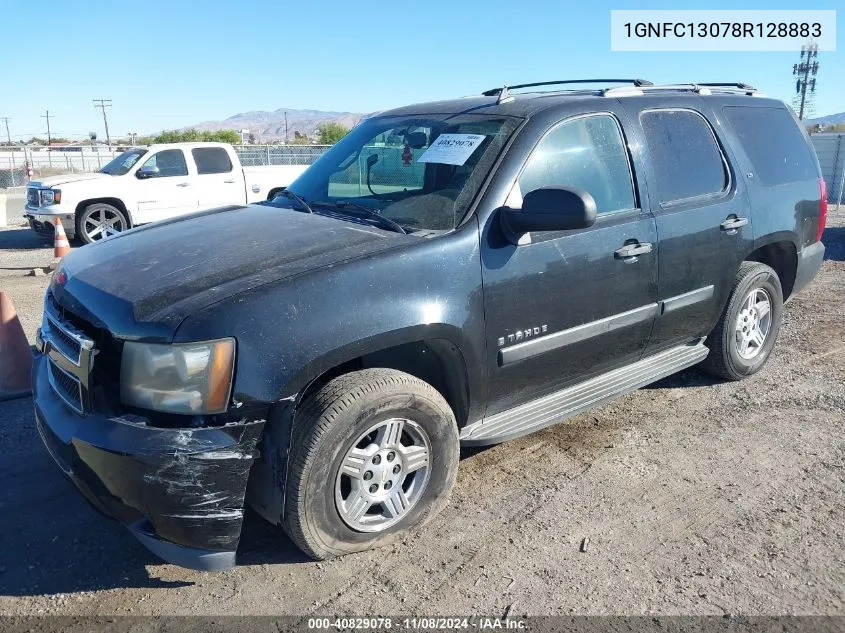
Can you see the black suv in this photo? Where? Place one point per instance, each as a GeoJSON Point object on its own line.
{"type": "Point", "coordinates": [453, 273]}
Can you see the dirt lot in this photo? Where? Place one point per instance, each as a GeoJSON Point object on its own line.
{"type": "Point", "coordinates": [697, 497]}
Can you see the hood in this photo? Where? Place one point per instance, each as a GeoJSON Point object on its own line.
{"type": "Point", "coordinates": [142, 283]}
{"type": "Point", "coordinates": [53, 181]}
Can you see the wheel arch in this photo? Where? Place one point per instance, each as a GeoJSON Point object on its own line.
{"type": "Point", "coordinates": [781, 254]}
{"type": "Point", "coordinates": [435, 358]}
{"type": "Point", "coordinates": [115, 202]}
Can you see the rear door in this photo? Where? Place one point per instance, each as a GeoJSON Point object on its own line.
{"type": "Point", "coordinates": [219, 182]}
{"type": "Point", "coordinates": [167, 194]}
{"type": "Point", "coordinates": [701, 208]}
{"type": "Point", "coordinates": [561, 306]}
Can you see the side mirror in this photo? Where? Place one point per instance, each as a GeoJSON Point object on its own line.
{"type": "Point", "coordinates": [372, 159]}
{"type": "Point", "coordinates": [549, 209]}
{"type": "Point", "coordinates": [147, 172]}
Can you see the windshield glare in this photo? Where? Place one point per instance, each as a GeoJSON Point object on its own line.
{"type": "Point", "coordinates": [387, 164]}
{"type": "Point", "coordinates": [123, 163]}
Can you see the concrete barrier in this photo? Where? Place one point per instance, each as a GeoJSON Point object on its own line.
{"type": "Point", "coordinates": [2, 209]}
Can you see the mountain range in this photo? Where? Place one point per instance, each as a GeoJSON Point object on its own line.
{"type": "Point", "coordinates": [268, 126]}
{"type": "Point", "coordinates": [830, 119]}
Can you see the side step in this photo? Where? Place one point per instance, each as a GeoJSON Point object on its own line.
{"type": "Point", "coordinates": [566, 403]}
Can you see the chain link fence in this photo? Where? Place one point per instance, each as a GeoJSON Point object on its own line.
{"type": "Point", "coordinates": [44, 162]}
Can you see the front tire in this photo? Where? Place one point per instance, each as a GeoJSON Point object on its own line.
{"type": "Point", "coordinates": [98, 221]}
{"type": "Point", "coordinates": [745, 335]}
{"type": "Point", "coordinates": [374, 454]}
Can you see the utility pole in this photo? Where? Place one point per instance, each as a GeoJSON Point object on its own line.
{"type": "Point", "coordinates": [805, 73]}
{"type": "Point", "coordinates": [286, 128]}
{"type": "Point", "coordinates": [49, 138]}
{"type": "Point", "coordinates": [11, 150]}
{"type": "Point", "coordinates": [103, 104]}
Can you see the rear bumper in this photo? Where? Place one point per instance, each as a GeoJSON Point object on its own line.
{"type": "Point", "coordinates": [810, 259]}
{"type": "Point", "coordinates": [180, 491]}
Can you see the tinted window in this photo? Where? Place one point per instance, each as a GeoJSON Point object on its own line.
{"type": "Point", "coordinates": [774, 144]}
{"type": "Point", "coordinates": [170, 162]}
{"type": "Point", "coordinates": [587, 153]}
{"type": "Point", "coordinates": [686, 158]}
{"type": "Point", "coordinates": [212, 160]}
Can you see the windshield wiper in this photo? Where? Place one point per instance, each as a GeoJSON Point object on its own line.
{"type": "Point", "coordinates": [366, 211]}
{"type": "Point", "coordinates": [300, 201]}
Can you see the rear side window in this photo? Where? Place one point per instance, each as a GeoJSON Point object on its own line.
{"type": "Point", "coordinates": [773, 143]}
{"type": "Point", "coordinates": [686, 157]}
{"type": "Point", "coordinates": [211, 160]}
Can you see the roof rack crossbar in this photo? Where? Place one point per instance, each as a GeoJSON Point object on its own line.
{"type": "Point", "coordinates": [497, 91]}
{"type": "Point", "coordinates": [741, 86]}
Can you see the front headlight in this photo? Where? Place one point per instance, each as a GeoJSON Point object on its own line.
{"type": "Point", "coordinates": [192, 378]}
{"type": "Point", "coordinates": [50, 196]}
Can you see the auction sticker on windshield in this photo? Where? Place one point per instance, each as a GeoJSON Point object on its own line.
{"type": "Point", "coordinates": [452, 149]}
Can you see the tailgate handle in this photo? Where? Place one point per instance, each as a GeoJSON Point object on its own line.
{"type": "Point", "coordinates": [732, 224]}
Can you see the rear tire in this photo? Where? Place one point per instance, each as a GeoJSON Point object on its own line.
{"type": "Point", "coordinates": [373, 455]}
{"type": "Point", "coordinates": [743, 339]}
{"type": "Point", "coordinates": [98, 221]}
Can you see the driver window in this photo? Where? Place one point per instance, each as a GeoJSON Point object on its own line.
{"type": "Point", "coordinates": [395, 169]}
{"type": "Point", "coordinates": [588, 153]}
{"type": "Point", "coordinates": [170, 162]}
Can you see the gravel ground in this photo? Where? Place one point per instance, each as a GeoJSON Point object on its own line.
{"type": "Point", "coordinates": [688, 497]}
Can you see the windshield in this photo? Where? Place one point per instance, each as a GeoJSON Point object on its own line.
{"type": "Point", "coordinates": [123, 163]}
{"type": "Point", "coordinates": [422, 171]}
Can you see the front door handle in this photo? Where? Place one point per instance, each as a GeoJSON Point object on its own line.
{"type": "Point", "coordinates": [630, 252]}
{"type": "Point", "coordinates": [229, 181]}
{"type": "Point", "coordinates": [732, 224]}
{"type": "Point", "coordinates": [183, 184]}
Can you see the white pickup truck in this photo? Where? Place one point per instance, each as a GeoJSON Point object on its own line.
{"type": "Point", "coordinates": [149, 184]}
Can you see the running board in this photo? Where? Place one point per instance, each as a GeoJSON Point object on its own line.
{"type": "Point", "coordinates": [561, 405]}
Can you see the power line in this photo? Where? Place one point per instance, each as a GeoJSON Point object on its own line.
{"type": "Point", "coordinates": [47, 116]}
{"type": "Point", "coordinates": [103, 104]}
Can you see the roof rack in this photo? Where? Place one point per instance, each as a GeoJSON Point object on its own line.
{"type": "Point", "coordinates": [502, 93]}
{"type": "Point", "coordinates": [700, 88]}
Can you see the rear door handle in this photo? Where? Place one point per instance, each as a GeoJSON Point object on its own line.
{"type": "Point", "coordinates": [732, 224]}
{"type": "Point", "coordinates": [183, 184]}
{"type": "Point", "coordinates": [630, 252]}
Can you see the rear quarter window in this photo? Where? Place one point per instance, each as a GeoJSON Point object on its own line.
{"type": "Point", "coordinates": [211, 160]}
{"type": "Point", "coordinates": [774, 144]}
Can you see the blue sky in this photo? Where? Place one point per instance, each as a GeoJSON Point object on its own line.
{"type": "Point", "coordinates": [170, 64]}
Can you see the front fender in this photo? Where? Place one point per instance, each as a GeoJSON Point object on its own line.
{"type": "Point", "coordinates": [291, 331]}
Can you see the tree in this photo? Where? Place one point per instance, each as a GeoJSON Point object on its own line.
{"type": "Point", "coordinates": [192, 136]}
{"type": "Point", "coordinates": [251, 139]}
{"type": "Point", "coordinates": [300, 139]}
{"type": "Point", "coordinates": [330, 132]}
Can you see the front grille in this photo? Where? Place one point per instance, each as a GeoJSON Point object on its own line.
{"type": "Point", "coordinates": [32, 198]}
{"type": "Point", "coordinates": [66, 386]}
{"type": "Point", "coordinates": [64, 342]}
{"type": "Point", "coordinates": [70, 353]}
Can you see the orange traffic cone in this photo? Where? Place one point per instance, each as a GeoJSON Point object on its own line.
{"type": "Point", "coordinates": [61, 246]}
{"type": "Point", "coordinates": [15, 355]}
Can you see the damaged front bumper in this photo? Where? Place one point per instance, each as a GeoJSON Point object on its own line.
{"type": "Point", "coordinates": [180, 491]}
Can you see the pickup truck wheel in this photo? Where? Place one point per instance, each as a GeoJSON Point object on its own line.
{"type": "Point", "coordinates": [374, 454]}
{"type": "Point", "coordinates": [98, 221]}
{"type": "Point", "coordinates": [743, 339]}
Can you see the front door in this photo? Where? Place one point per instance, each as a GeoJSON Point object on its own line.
{"type": "Point", "coordinates": [562, 306]}
{"type": "Point", "coordinates": [169, 191]}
